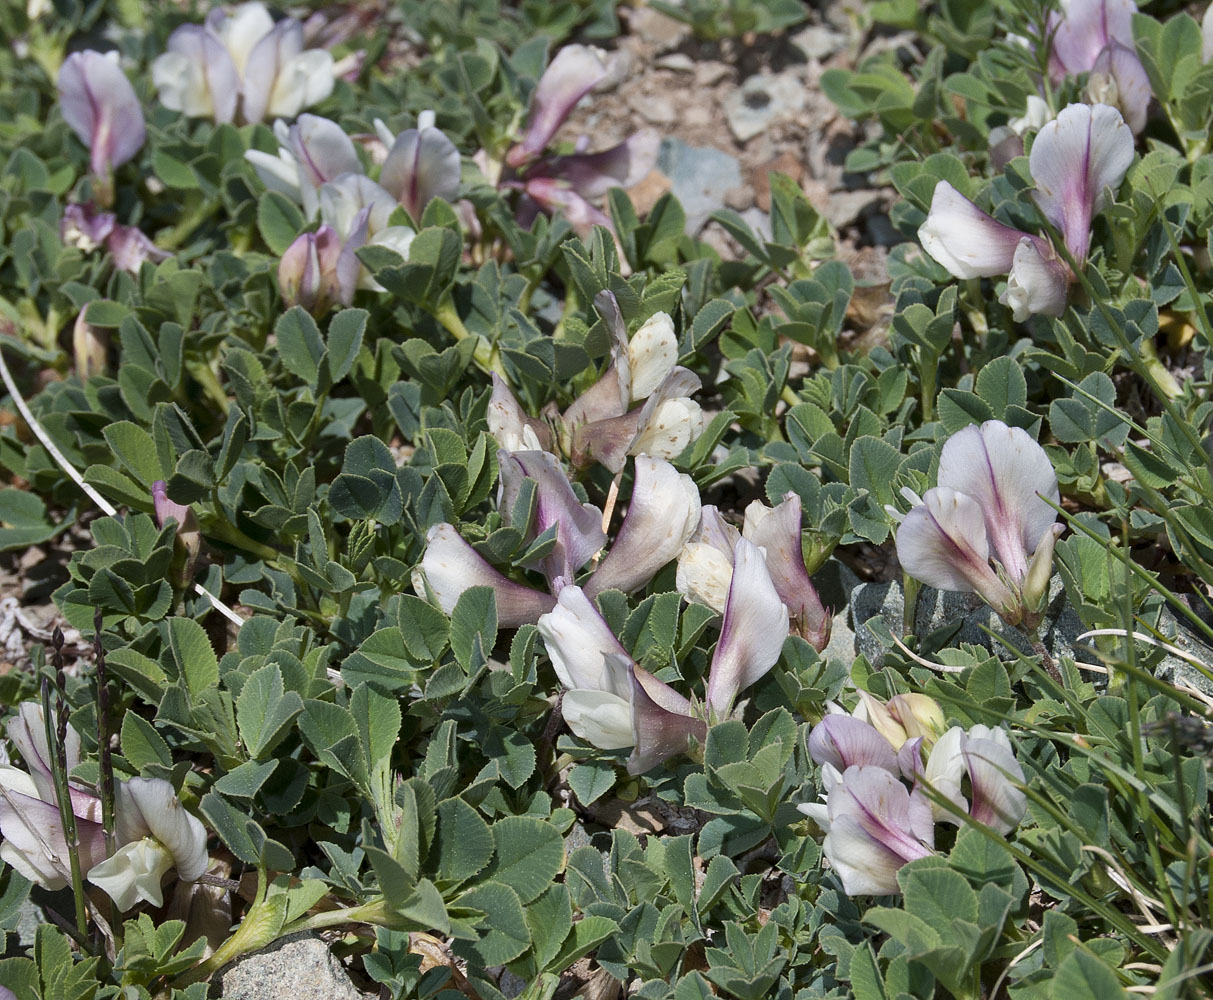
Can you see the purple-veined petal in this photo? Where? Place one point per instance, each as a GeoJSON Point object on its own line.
{"type": "Point", "coordinates": [1079, 153]}
{"type": "Point", "coordinates": [99, 103]}
{"type": "Point", "coordinates": [34, 843]}
{"type": "Point", "coordinates": [323, 153]}
{"type": "Point", "coordinates": [876, 826]}
{"type": "Point", "coordinates": [993, 775]}
{"type": "Point", "coordinates": [303, 80]}
{"type": "Point", "coordinates": [579, 534]}
{"type": "Point", "coordinates": [610, 395]}
{"type": "Point", "coordinates": [572, 74]}
{"type": "Point", "coordinates": [943, 543]}
{"type": "Point", "coordinates": [451, 566]}
{"type": "Point", "coordinates": [130, 248]}
{"type": "Point", "coordinates": [659, 731]}
{"type": "Point", "coordinates": [662, 513]}
{"type": "Point", "coordinates": [511, 428]}
{"type": "Point", "coordinates": [577, 639]}
{"type": "Point", "coordinates": [1083, 30]}
{"type": "Point", "coordinates": [1119, 79]}
{"type": "Point", "coordinates": [777, 531]}
{"type": "Point", "coordinates": [556, 196]}
{"type": "Point", "coordinates": [968, 242]}
{"type": "Point", "coordinates": [1039, 281]}
{"type": "Point", "coordinates": [844, 741]}
{"type": "Point", "coordinates": [1003, 470]}
{"type": "Point", "coordinates": [592, 175]}
{"type": "Point", "coordinates": [423, 164]}
{"type": "Point", "coordinates": [27, 731]}
{"type": "Point", "coordinates": [752, 634]}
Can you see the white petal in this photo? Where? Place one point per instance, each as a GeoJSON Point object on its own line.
{"type": "Point", "coordinates": [278, 173]}
{"type": "Point", "coordinates": [243, 29]}
{"type": "Point", "coordinates": [964, 239]}
{"type": "Point", "coordinates": [944, 771]}
{"type": "Point", "coordinates": [134, 873]}
{"type": "Point", "coordinates": [652, 354]}
{"type": "Point", "coordinates": [182, 834]}
{"type": "Point", "coordinates": [663, 512]}
{"type": "Point", "coordinates": [753, 632]}
{"type": "Point", "coordinates": [674, 425]}
{"type": "Point", "coordinates": [577, 638]}
{"type": "Point", "coordinates": [1038, 283]}
{"type": "Point", "coordinates": [599, 717]}
{"type": "Point", "coordinates": [993, 775]}
{"type": "Point", "coordinates": [1003, 469]}
{"type": "Point", "coordinates": [304, 80]}
{"type": "Point", "coordinates": [703, 575]}
{"type": "Point", "coordinates": [1075, 156]}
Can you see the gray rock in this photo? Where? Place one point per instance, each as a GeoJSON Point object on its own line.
{"type": "Point", "coordinates": [760, 100]}
{"type": "Point", "coordinates": [844, 207]}
{"type": "Point", "coordinates": [818, 41]}
{"type": "Point", "coordinates": [699, 178]}
{"type": "Point", "coordinates": [759, 221]}
{"type": "Point", "coordinates": [299, 967]}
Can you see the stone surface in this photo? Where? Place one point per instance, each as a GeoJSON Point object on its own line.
{"type": "Point", "coordinates": [699, 178]}
{"type": "Point", "coordinates": [818, 41]}
{"type": "Point", "coordinates": [299, 967]}
{"type": "Point", "coordinates": [758, 102]}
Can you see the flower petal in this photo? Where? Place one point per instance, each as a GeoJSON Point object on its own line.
{"type": "Point", "coordinates": [1119, 79]}
{"type": "Point", "coordinates": [600, 718]}
{"type": "Point", "coordinates": [663, 512]}
{"type": "Point", "coordinates": [1039, 282]}
{"type": "Point", "coordinates": [303, 80]}
{"type": "Point", "coordinates": [1082, 151]}
{"type": "Point", "coordinates": [1003, 469]}
{"type": "Point", "coordinates": [652, 354]}
{"type": "Point", "coordinates": [658, 732]}
{"type": "Point", "coordinates": [1084, 30]}
{"type": "Point", "coordinates": [572, 74]}
{"type": "Point", "coordinates": [753, 632]}
{"type": "Point", "coordinates": [423, 164]}
{"type": "Point", "coordinates": [512, 429]}
{"type": "Point", "coordinates": [844, 741]}
{"type": "Point", "coordinates": [133, 873]}
{"type": "Point", "coordinates": [704, 573]}
{"type": "Point", "coordinates": [169, 822]}
{"type": "Point", "coordinates": [964, 239]}
{"type": "Point", "coordinates": [592, 175]}
{"type": "Point", "coordinates": [577, 638]}
{"type": "Point", "coordinates": [451, 566]}
{"type": "Point", "coordinates": [993, 775]}
{"type": "Point", "coordinates": [99, 103]}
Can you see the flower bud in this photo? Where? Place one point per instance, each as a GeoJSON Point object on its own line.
{"type": "Point", "coordinates": [918, 715]}
{"type": "Point", "coordinates": [308, 273]}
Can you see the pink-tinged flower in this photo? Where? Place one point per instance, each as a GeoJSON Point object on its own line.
{"type": "Point", "coordinates": [873, 826]}
{"type": "Point", "coordinates": [1075, 157]}
{"type": "Point", "coordinates": [83, 226]}
{"type": "Point", "coordinates": [753, 631]}
{"type": "Point", "coordinates": [609, 701]}
{"type": "Point", "coordinates": [422, 164]}
{"type": "Point", "coordinates": [189, 537]}
{"type": "Point", "coordinates": [1096, 37]}
{"type": "Point", "coordinates": [511, 428]}
{"type": "Point", "coordinates": [573, 73]}
{"type": "Point", "coordinates": [662, 513]}
{"type": "Point", "coordinates": [579, 534]}
{"type": "Point", "coordinates": [359, 211]}
{"type": "Point", "coordinates": [153, 831]}
{"type": "Point", "coordinates": [985, 756]}
{"type": "Point", "coordinates": [90, 346]}
{"type": "Point", "coordinates": [705, 565]}
{"type": "Point", "coordinates": [843, 741]}
{"type": "Point", "coordinates": [311, 152]}
{"type": "Point", "coordinates": [100, 105]}
{"type": "Point", "coordinates": [994, 481]}
{"type": "Point", "coordinates": [243, 56]}
{"type": "Point", "coordinates": [318, 270]}
{"type": "Point", "coordinates": [598, 426]}
{"type": "Point", "coordinates": [451, 566]}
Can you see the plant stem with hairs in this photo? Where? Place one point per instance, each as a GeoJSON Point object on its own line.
{"type": "Point", "coordinates": [105, 759]}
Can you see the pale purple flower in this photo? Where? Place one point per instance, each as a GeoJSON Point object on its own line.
{"type": "Point", "coordinates": [243, 56]}
{"type": "Point", "coordinates": [753, 631]}
{"type": "Point", "coordinates": [99, 103]}
{"type": "Point", "coordinates": [843, 741]}
{"type": "Point", "coordinates": [511, 428]}
{"type": "Point", "coordinates": [450, 566]}
{"type": "Point", "coordinates": [1096, 37]}
{"type": "Point", "coordinates": [609, 701]}
{"type": "Point", "coordinates": [311, 152]}
{"type": "Point", "coordinates": [873, 827]}
{"type": "Point", "coordinates": [318, 270]}
{"type": "Point", "coordinates": [572, 74]}
{"type": "Point", "coordinates": [579, 533]}
{"type": "Point", "coordinates": [1075, 157]}
{"type": "Point", "coordinates": [994, 481]}
{"type": "Point", "coordinates": [86, 228]}
{"type": "Point", "coordinates": [422, 164]}
{"type": "Point", "coordinates": [359, 211]}
{"type": "Point", "coordinates": [662, 513]}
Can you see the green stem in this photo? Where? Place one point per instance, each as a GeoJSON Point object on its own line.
{"type": "Point", "coordinates": [928, 370]}
{"type": "Point", "coordinates": [66, 816]}
{"type": "Point", "coordinates": [205, 376]}
{"type": "Point", "coordinates": [486, 355]}
{"type": "Point", "coordinates": [173, 238]}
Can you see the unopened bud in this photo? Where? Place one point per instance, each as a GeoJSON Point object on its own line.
{"type": "Point", "coordinates": [919, 715]}
{"type": "Point", "coordinates": [90, 345]}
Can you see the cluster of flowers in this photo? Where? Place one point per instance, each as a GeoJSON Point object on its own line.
{"type": "Point", "coordinates": [873, 823]}
{"type": "Point", "coordinates": [756, 579]}
{"type": "Point", "coordinates": [152, 830]}
{"type": "Point", "coordinates": [1074, 159]}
